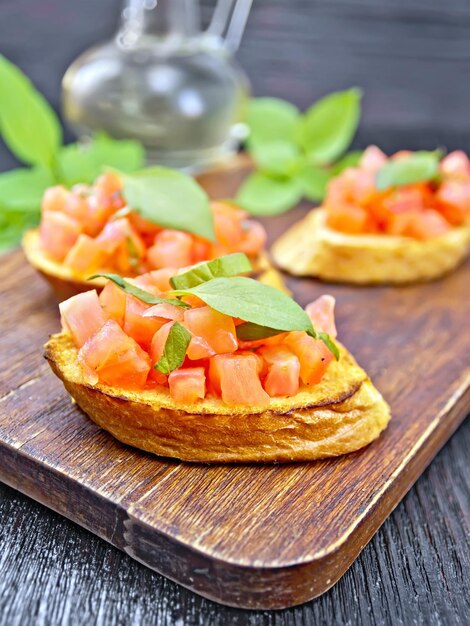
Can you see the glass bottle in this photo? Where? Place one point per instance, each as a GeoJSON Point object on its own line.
{"type": "Point", "coordinates": [163, 81]}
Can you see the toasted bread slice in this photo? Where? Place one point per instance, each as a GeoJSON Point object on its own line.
{"type": "Point", "coordinates": [343, 413]}
{"type": "Point", "coordinates": [310, 248]}
{"type": "Point", "coordinates": [66, 283]}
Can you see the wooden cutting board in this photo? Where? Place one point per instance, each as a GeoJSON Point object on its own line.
{"type": "Point", "coordinates": [248, 536]}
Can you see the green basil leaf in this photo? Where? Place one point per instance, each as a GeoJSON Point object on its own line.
{"type": "Point", "coordinates": [22, 189]}
{"type": "Point", "coordinates": [415, 168]}
{"type": "Point", "coordinates": [138, 293]}
{"type": "Point", "coordinates": [174, 351]}
{"type": "Point", "coordinates": [272, 119]}
{"type": "Point", "coordinates": [261, 194]}
{"type": "Point", "coordinates": [276, 157]}
{"type": "Point", "coordinates": [13, 223]}
{"type": "Point", "coordinates": [251, 301]}
{"type": "Point", "coordinates": [351, 159]}
{"type": "Point", "coordinates": [224, 266]}
{"type": "Point", "coordinates": [329, 125]}
{"type": "Point", "coordinates": [329, 343]}
{"type": "Point", "coordinates": [313, 181]}
{"type": "Point", "coordinates": [255, 332]}
{"type": "Point", "coordinates": [84, 162]}
{"type": "Point", "coordinates": [29, 126]}
{"type": "Point", "coordinates": [170, 199]}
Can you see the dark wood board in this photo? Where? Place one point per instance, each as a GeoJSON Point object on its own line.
{"type": "Point", "coordinates": [248, 536]}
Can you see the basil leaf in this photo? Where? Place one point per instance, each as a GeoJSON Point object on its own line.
{"type": "Point", "coordinates": [330, 125]}
{"type": "Point", "coordinates": [224, 266]}
{"type": "Point", "coordinates": [329, 343]}
{"type": "Point", "coordinates": [140, 294]}
{"type": "Point", "coordinates": [415, 168]}
{"type": "Point", "coordinates": [271, 119]}
{"type": "Point", "coordinates": [261, 194]}
{"type": "Point", "coordinates": [174, 351]}
{"type": "Point", "coordinates": [84, 162]}
{"type": "Point", "coordinates": [254, 332]}
{"type": "Point", "coordinates": [22, 189]}
{"type": "Point", "coordinates": [276, 157]}
{"type": "Point", "coordinates": [170, 199]}
{"type": "Point", "coordinates": [251, 301]}
{"type": "Point", "coordinates": [313, 181]}
{"type": "Point", "coordinates": [29, 126]}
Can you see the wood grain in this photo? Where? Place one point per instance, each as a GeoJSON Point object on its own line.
{"type": "Point", "coordinates": [250, 536]}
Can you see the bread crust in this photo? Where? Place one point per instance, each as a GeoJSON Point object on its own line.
{"type": "Point", "coordinates": [310, 248]}
{"type": "Point", "coordinates": [343, 413]}
{"type": "Point", "coordinates": [65, 283]}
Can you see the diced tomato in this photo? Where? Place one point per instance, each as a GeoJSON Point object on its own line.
{"type": "Point", "coordinates": [116, 358]}
{"type": "Point", "coordinates": [372, 159]}
{"type": "Point", "coordinates": [58, 233]}
{"type": "Point", "coordinates": [82, 316]}
{"type": "Point", "coordinates": [187, 384]}
{"type": "Point", "coordinates": [54, 198]}
{"type": "Point", "coordinates": [283, 371]}
{"type": "Point", "coordinates": [199, 349]}
{"type": "Point", "coordinates": [201, 250]}
{"type": "Point", "coordinates": [108, 184]}
{"type": "Point", "coordinates": [254, 238]}
{"type": "Point", "coordinates": [85, 256]}
{"type": "Point", "coordinates": [347, 218]}
{"type": "Point", "coordinates": [158, 342]}
{"type": "Point", "coordinates": [165, 311]}
{"type": "Point", "coordinates": [193, 301]}
{"type": "Point", "coordinates": [143, 226]}
{"type": "Point", "coordinates": [322, 313]}
{"type": "Point", "coordinates": [216, 329]}
{"type": "Point", "coordinates": [422, 225]}
{"type": "Point", "coordinates": [313, 355]}
{"type": "Point", "coordinates": [113, 235]}
{"type": "Point", "coordinates": [227, 224]}
{"type": "Point", "coordinates": [172, 248]}
{"type": "Point", "coordinates": [77, 205]}
{"type": "Point", "coordinates": [236, 376]}
{"type": "Point", "coordinates": [456, 165]}
{"type": "Point", "coordinates": [453, 201]}
{"type": "Point", "coordinates": [113, 302]}
{"type": "Point", "coordinates": [140, 328]}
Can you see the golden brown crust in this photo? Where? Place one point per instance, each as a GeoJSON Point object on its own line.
{"type": "Point", "coordinates": [310, 248]}
{"type": "Point", "coordinates": [343, 413]}
{"type": "Point", "coordinates": [65, 283]}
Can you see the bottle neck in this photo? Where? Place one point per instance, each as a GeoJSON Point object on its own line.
{"type": "Point", "coordinates": [168, 21]}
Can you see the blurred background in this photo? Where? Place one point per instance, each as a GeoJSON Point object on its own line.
{"type": "Point", "coordinates": [411, 57]}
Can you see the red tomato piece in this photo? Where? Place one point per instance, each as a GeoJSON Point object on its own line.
{"type": "Point", "coordinates": [322, 313]}
{"type": "Point", "coordinates": [347, 218]}
{"type": "Point", "coordinates": [82, 316]}
{"type": "Point", "coordinates": [116, 358]}
{"type": "Point", "coordinates": [372, 159]}
{"type": "Point", "coordinates": [158, 342]}
{"type": "Point", "coordinates": [187, 384]}
{"type": "Point", "coordinates": [236, 377]}
{"type": "Point", "coordinates": [282, 378]}
{"type": "Point", "coordinates": [313, 355]}
{"type": "Point", "coordinates": [85, 256]}
{"type": "Point", "coordinates": [254, 238]}
{"type": "Point", "coordinates": [113, 302]}
{"type": "Point", "coordinates": [172, 248]}
{"type": "Point", "coordinates": [55, 198]}
{"type": "Point", "coordinates": [58, 232]}
{"type": "Point", "coordinates": [456, 164]}
{"type": "Point", "coordinates": [140, 328]}
{"type": "Point", "coordinates": [217, 329]}
{"type": "Point", "coordinates": [165, 311]}
{"type": "Point", "coordinates": [453, 201]}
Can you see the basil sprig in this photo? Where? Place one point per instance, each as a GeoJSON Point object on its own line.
{"type": "Point", "coordinates": [418, 167]}
{"type": "Point", "coordinates": [297, 154]}
{"type": "Point", "coordinates": [140, 294]}
{"type": "Point", "coordinates": [224, 266]}
{"type": "Point", "coordinates": [175, 349]}
{"type": "Point", "coordinates": [31, 130]}
{"type": "Point", "coordinates": [256, 303]}
{"type": "Point", "coordinates": [170, 199]}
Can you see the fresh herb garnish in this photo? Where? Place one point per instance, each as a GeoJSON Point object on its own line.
{"type": "Point", "coordinates": [170, 199]}
{"type": "Point", "coordinates": [140, 294]}
{"type": "Point", "coordinates": [175, 348]}
{"type": "Point", "coordinates": [31, 130]}
{"type": "Point", "coordinates": [417, 167]}
{"type": "Point", "coordinates": [296, 153]}
{"type": "Point", "coordinates": [254, 332]}
{"type": "Point", "coordinates": [224, 266]}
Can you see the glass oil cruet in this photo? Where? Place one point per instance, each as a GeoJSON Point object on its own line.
{"type": "Point", "coordinates": [163, 81]}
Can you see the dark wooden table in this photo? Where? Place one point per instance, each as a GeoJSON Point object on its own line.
{"type": "Point", "coordinates": [411, 57]}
